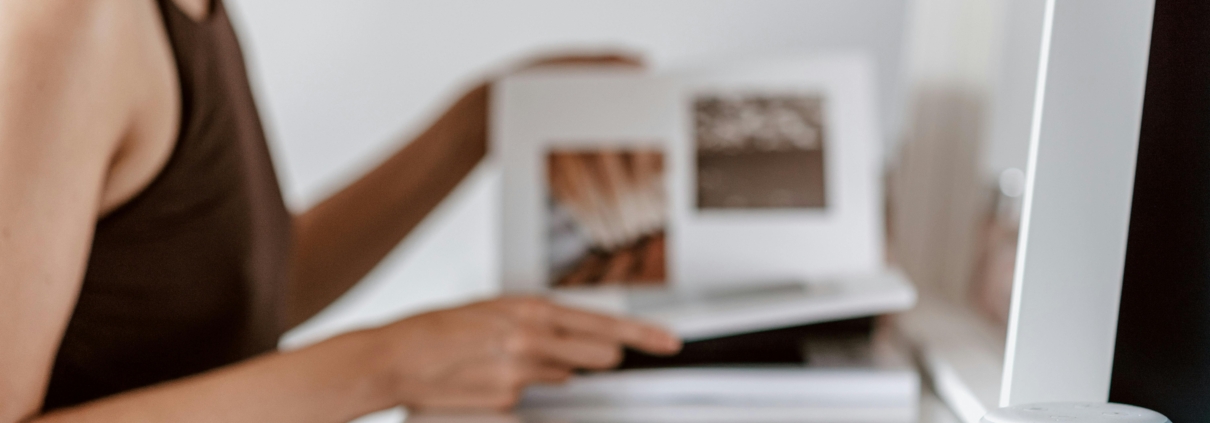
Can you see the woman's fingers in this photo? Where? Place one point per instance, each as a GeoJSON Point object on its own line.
{"type": "Point", "coordinates": [565, 351]}
{"type": "Point", "coordinates": [544, 325]}
{"type": "Point", "coordinates": [613, 329]}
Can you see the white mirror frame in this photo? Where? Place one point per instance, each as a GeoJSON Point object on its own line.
{"type": "Point", "coordinates": [1080, 178]}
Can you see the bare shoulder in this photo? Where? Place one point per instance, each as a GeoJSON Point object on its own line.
{"type": "Point", "coordinates": [56, 58]}
{"type": "Point", "coordinates": [93, 77]}
{"type": "Point", "coordinates": [46, 19]}
{"type": "Point", "coordinates": [46, 35]}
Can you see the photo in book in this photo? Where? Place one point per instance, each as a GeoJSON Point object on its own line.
{"type": "Point", "coordinates": [607, 212]}
{"type": "Point", "coordinates": [770, 170]}
{"type": "Point", "coordinates": [759, 151]}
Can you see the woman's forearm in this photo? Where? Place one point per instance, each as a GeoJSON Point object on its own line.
{"type": "Point", "coordinates": [333, 381]}
{"type": "Point", "coordinates": [341, 239]}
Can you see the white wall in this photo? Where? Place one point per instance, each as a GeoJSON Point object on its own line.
{"type": "Point", "coordinates": [338, 80]}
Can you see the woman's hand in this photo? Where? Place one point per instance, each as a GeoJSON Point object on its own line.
{"type": "Point", "coordinates": [482, 355]}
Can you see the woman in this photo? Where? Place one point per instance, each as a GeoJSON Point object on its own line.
{"type": "Point", "coordinates": [148, 265]}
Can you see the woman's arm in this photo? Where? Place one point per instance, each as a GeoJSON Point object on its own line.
{"type": "Point", "coordinates": [478, 356]}
{"type": "Point", "coordinates": [333, 381]}
{"type": "Point", "coordinates": [341, 239]}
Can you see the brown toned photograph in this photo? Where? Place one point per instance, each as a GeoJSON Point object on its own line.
{"type": "Point", "coordinates": [760, 151]}
{"type": "Point", "coordinates": [606, 217]}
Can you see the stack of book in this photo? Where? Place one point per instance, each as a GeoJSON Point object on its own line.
{"type": "Point", "coordinates": [773, 352]}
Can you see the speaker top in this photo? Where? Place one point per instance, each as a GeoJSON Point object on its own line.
{"type": "Point", "coordinates": [1074, 412]}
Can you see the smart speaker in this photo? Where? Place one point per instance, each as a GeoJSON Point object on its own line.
{"type": "Point", "coordinates": [1074, 412]}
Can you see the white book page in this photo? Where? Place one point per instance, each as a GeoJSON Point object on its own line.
{"type": "Point", "coordinates": [712, 237]}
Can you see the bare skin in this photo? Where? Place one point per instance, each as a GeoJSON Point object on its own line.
{"type": "Point", "coordinates": [89, 107]}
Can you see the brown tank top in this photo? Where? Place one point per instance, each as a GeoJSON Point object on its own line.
{"type": "Point", "coordinates": [188, 275]}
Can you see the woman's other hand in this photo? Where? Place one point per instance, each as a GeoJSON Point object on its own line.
{"type": "Point", "coordinates": [481, 356]}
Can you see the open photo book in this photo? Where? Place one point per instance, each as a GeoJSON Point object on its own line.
{"type": "Point", "coordinates": [733, 180]}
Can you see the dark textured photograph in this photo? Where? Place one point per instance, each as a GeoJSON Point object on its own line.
{"type": "Point", "coordinates": [606, 216]}
{"type": "Point", "coordinates": [760, 151]}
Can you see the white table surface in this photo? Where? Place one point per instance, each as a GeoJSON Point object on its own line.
{"type": "Point", "coordinates": [932, 410]}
